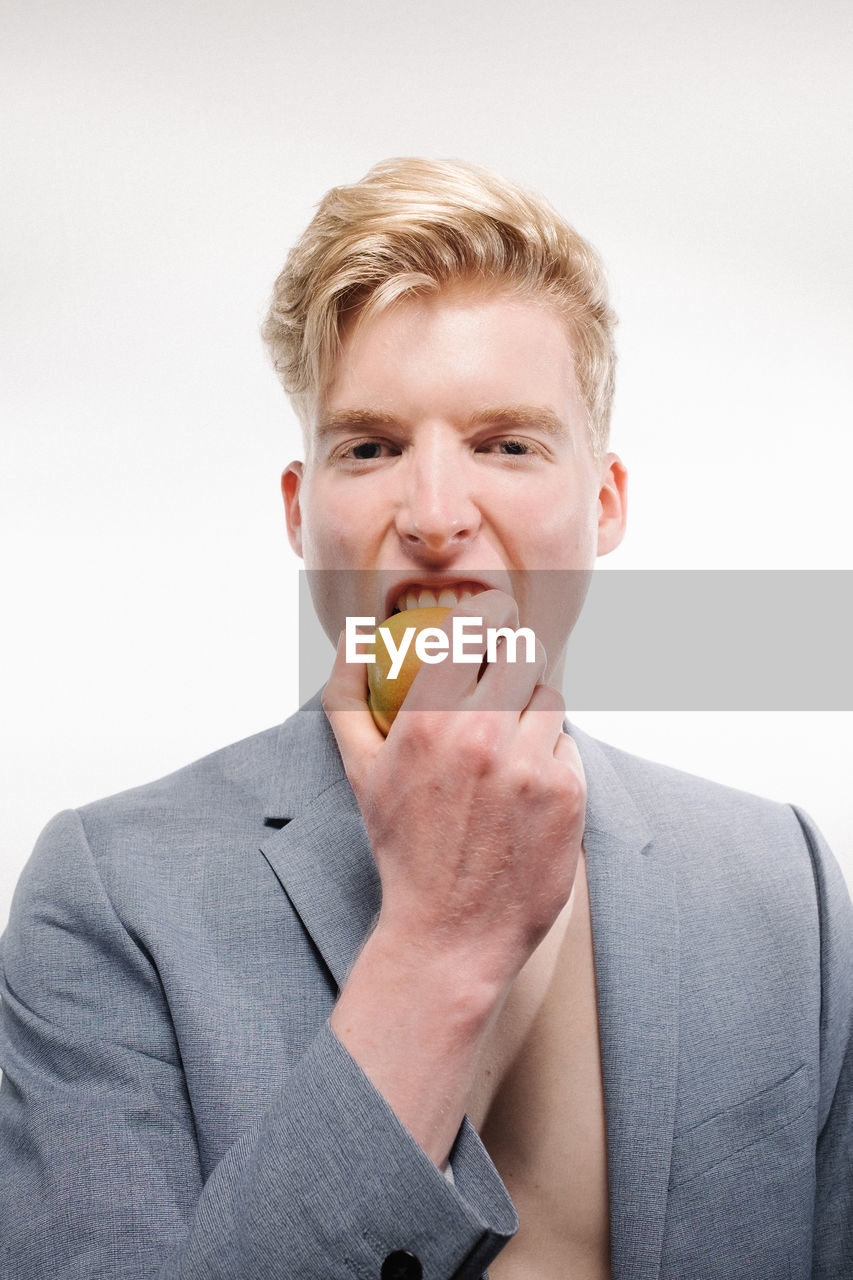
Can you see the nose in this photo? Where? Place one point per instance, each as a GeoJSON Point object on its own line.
{"type": "Point", "coordinates": [437, 515]}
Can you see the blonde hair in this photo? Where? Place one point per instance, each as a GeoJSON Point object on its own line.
{"type": "Point", "coordinates": [411, 226]}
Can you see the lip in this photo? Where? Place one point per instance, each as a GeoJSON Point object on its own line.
{"type": "Point", "coordinates": [431, 582]}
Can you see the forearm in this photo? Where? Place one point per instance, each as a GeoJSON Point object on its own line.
{"type": "Point", "coordinates": [415, 1019]}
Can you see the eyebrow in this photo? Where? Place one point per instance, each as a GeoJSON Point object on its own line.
{"type": "Point", "coordinates": [509, 417]}
{"type": "Point", "coordinates": [521, 415]}
{"type": "Point", "coordinates": [335, 424]}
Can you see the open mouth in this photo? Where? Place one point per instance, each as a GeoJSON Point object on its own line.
{"type": "Point", "coordinates": [417, 597]}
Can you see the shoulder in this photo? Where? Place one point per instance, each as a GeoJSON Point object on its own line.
{"type": "Point", "coordinates": [230, 781]}
{"type": "Point", "coordinates": [667, 796]}
{"type": "Point", "coordinates": [681, 806]}
{"type": "Point", "coordinates": [235, 786]}
{"type": "Point", "coordinates": [742, 862]}
{"type": "Point", "coordinates": [162, 841]}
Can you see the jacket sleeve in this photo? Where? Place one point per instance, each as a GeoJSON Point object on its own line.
{"type": "Point", "coordinates": [100, 1174]}
{"type": "Point", "coordinates": [833, 1223]}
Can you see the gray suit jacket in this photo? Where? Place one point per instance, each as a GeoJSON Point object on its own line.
{"type": "Point", "coordinates": [175, 1105]}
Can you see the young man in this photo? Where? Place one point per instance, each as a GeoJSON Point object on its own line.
{"type": "Point", "coordinates": [257, 1013]}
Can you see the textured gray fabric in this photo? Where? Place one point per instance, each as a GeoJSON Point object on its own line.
{"type": "Point", "coordinates": [175, 1104]}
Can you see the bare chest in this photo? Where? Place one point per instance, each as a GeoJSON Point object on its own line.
{"type": "Point", "coordinates": [539, 1108]}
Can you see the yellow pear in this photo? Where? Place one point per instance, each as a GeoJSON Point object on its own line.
{"type": "Point", "coordinates": [385, 696]}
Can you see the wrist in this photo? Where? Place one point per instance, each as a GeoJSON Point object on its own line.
{"type": "Point", "coordinates": [464, 982]}
{"type": "Point", "coordinates": [416, 1023]}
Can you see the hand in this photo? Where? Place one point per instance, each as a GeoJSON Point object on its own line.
{"type": "Point", "coordinates": [474, 804]}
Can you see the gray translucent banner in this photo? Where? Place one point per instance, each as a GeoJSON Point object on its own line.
{"type": "Point", "coordinates": [672, 640]}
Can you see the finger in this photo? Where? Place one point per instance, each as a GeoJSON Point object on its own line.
{"type": "Point", "coordinates": [448, 684]}
{"type": "Point", "coordinates": [567, 751]}
{"type": "Point", "coordinates": [509, 680]}
{"type": "Point", "coordinates": [344, 699]}
{"type": "Point", "coordinates": [542, 719]}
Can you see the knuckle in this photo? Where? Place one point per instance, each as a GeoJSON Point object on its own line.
{"type": "Point", "coordinates": [331, 696]}
{"type": "Point", "coordinates": [526, 779]}
{"type": "Point", "coordinates": [471, 608]}
{"type": "Point", "coordinates": [549, 698]}
{"type": "Point", "coordinates": [494, 606]}
{"type": "Point", "coordinates": [481, 746]}
{"type": "Point", "coordinates": [416, 730]}
{"type": "Point", "coordinates": [568, 785]}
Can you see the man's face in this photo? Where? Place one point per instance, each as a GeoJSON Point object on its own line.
{"type": "Point", "coordinates": [452, 448]}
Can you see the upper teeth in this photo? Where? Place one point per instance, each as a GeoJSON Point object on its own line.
{"type": "Point", "coordinates": [423, 598]}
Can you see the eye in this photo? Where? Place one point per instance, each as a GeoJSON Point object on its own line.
{"type": "Point", "coordinates": [365, 451]}
{"type": "Point", "coordinates": [509, 447]}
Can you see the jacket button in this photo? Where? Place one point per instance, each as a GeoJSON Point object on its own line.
{"type": "Point", "coordinates": [401, 1265]}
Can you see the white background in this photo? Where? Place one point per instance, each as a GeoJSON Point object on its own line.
{"type": "Point", "coordinates": [159, 159]}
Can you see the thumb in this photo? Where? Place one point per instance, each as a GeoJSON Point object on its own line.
{"type": "Point", "coordinates": [344, 699]}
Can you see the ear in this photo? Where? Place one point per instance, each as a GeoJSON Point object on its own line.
{"type": "Point", "coordinates": [612, 504]}
{"type": "Point", "coordinates": [291, 482]}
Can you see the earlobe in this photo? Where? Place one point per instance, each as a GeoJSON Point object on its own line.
{"type": "Point", "coordinates": [612, 504]}
{"type": "Point", "coordinates": [291, 482]}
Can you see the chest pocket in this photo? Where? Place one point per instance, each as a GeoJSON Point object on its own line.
{"type": "Point", "coordinates": [741, 1195]}
{"type": "Point", "coordinates": [738, 1128]}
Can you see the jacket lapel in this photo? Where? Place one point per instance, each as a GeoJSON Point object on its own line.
{"type": "Point", "coordinates": [322, 855]}
{"type": "Point", "coordinates": [323, 859]}
{"type": "Point", "coordinates": [634, 913]}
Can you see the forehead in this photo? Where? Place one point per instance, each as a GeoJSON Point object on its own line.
{"type": "Point", "coordinates": [454, 353]}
